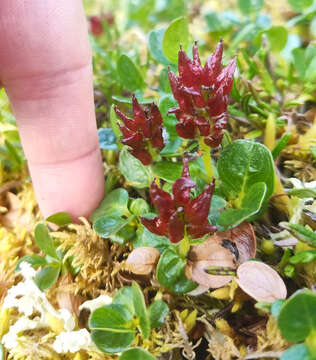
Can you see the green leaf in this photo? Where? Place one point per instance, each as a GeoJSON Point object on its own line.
{"type": "Point", "coordinates": [250, 206]}
{"type": "Point", "coordinates": [280, 145]}
{"type": "Point", "coordinates": [109, 225]}
{"type": "Point", "coordinates": [157, 312]}
{"type": "Point", "coordinates": [220, 22]}
{"type": "Point", "coordinates": [16, 157]}
{"type": "Point", "coordinates": [47, 277]}
{"type": "Point", "coordinates": [303, 257]}
{"type": "Point", "coordinates": [139, 207]}
{"type": "Point", "coordinates": [177, 33]}
{"type": "Point", "coordinates": [140, 310]}
{"type": "Point", "coordinates": [242, 164]}
{"type": "Point", "coordinates": [147, 238]}
{"type": "Point", "coordinates": [107, 139]}
{"type": "Point", "coordinates": [300, 5]}
{"type": "Point", "coordinates": [301, 233]}
{"type": "Point", "coordinates": [155, 46]}
{"type": "Point", "coordinates": [250, 6]}
{"type": "Point", "coordinates": [112, 342]}
{"type": "Point", "coordinates": [136, 354]}
{"type": "Point", "coordinates": [136, 174]}
{"type": "Point", "coordinates": [114, 203]}
{"type": "Point", "coordinates": [44, 241]}
{"type": "Point", "coordinates": [297, 317]}
{"type": "Point", "coordinates": [170, 273]}
{"type": "Point", "coordinates": [110, 318]}
{"type": "Point", "coordinates": [112, 328]}
{"type": "Point", "coordinates": [34, 260]}
{"type": "Point", "coordinates": [276, 307]}
{"type": "Point", "coordinates": [313, 151]}
{"type": "Point", "coordinates": [218, 204]}
{"type": "Point", "coordinates": [60, 218]}
{"type": "Point", "coordinates": [296, 352]}
{"type": "Point", "coordinates": [165, 103]}
{"type": "Point", "coordinates": [124, 296]}
{"type": "Point", "coordinates": [276, 35]}
{"type": "Point", "coordinates": [303, 193]}
{"type": "Point", "coordinates": [168, 170]}
{"type": "Point", "coordinates": [247, 33]}
{"type": "Point", "coordinates": [129, 74]}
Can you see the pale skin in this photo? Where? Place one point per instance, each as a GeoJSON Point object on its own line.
{"type": "Point", "coordinates": [45, 68]}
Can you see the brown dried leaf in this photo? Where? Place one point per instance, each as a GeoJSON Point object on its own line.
{"type": "Point", "coordinates": [223, 249]}
{"type": "Point", "coordinates": [244, 238]}
{"type": "Point", "coordinates": [65, 297]}
{"type": "Point", "coordinates": [240, 241]}
{"type": "Point", "coordinates": [142, 260]}
{"type": "Point", "coordinates": [199, 274]}
{"type": "Point", "coordinates": [260, 281]}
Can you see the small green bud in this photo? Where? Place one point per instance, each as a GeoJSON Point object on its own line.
{"type": "Point", "coordinates": [267, 247]}
{"type": "Point", "coordinates": [289, 271]}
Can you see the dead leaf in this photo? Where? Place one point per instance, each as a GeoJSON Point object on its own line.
{"type": "Point", "coordinates": [199, 274]}
{"type": "Point", "coordinates": [142, 260]}
{"type": "Point", "coordinates": [223, 249]}
{"type": "Point", "coordinates": [240, 241]}
{"type": "Point", "coordinates": [260, 281]}
{"type": "Point", "coordinates": [65, 297]}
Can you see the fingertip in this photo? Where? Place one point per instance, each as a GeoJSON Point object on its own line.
{"type": "Point", "coordinates": [75, 187]}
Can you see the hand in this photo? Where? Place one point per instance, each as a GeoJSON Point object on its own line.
{"type": "Point", "coordinates": [45, 68]}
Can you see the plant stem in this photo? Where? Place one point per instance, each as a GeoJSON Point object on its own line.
{"type": "Point", "coordinates": [206, 159]}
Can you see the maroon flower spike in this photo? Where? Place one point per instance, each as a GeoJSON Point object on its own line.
{"type": "Point", "coordinates": [178, 212]}
{"type": "Point", "coordinates": [96, 25]}
{"type": "Point", "coordinates": [142, 131]}
{"type": "Point", "coordinates": [202, 95]}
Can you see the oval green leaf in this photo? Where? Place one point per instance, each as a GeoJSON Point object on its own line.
{"type": "Point", "coordinates": [277, 36]}
{"type": "Point", "coordinates": [47, 277]}
{"type": "Point", "coordinates": [60, 218]}
{"type": "Point", "coordinates": [109, 225]}
{"type": "Point", "coordinates": [34, 260]}
{"type": "Point", "coordinates": [112, 342]}
{"type": "Point", "coordinates": [136, 174]}
{"type": "Point", "coordinates": [250, 6]}
{"type": "Point", "coordinates": [250, 206]}
{"type": "Point", "coordinates": [112, 328]}
{"type": "Point", "coordinates": [129, 74]}
{"type": "Point", "coordinates": [147, 238]}
{"type": "Point", "coordinates": [157, 311]}
{"type": "Point", "coordinates": [136, 354]}
{"type": "Point", "coordinates": [297, 317]}
{"type": "Point", "coordinates": [140, 310]}
{"type": "Point", "coordinates": [114, 203]}
{"type": "Point", "coordinates": [124, 297]}
{"type": "Point", "coordinates": [303, 257]}
{"type": "Point", "coordinates": [296, 352]}
{"type": "Point", "coordinates": [242, 164]}
{"type": "Point", "coordinates": [171, 273]}
{"type": "Point", "coordinates": [155, 46]}
{"type": "Point", "coordinates": [44, 241]}
{"type": "Point", "coordinates": [139, 207]}
{"type": "Point", "coordinates": [177, 33]}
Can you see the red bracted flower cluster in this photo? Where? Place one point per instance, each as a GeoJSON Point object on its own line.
{"type": "Point", "coordinates": [202, 95]}
{"type": "Point", "coordinates": [96, 25]}
{"type": "Point", "coordinates": [179, 211]}
{"type": "Point", "coordinates": [142, 133]}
